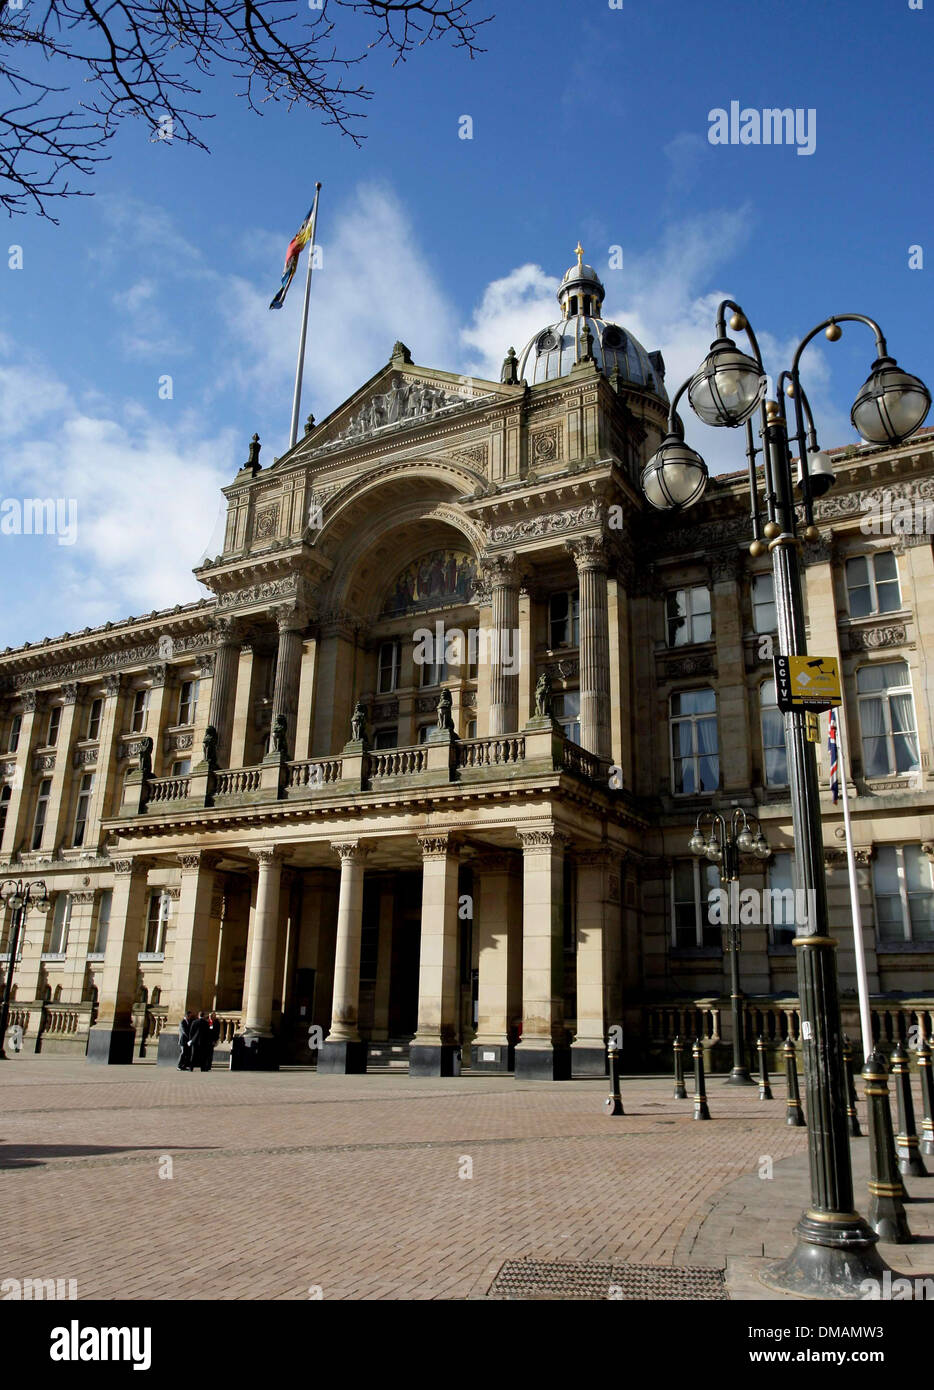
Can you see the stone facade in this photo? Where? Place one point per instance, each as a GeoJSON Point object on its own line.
{"type": "Point", "coordinates": [482, 883]}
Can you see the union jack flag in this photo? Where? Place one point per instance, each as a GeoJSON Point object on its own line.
{"type": "Point", "coordinates": [832, 750]}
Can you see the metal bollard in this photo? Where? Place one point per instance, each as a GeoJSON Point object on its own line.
{"type": "Point", "coordinates": [910, 1162]}
{"type": "Point", "coordinates": [701, 1110]}
{"type": "Point", "coordinates": [678, 1047]}
{"type": "Point", "coordinates": [794, 1115]}
{"type": "Point", "coordinates": [886, 1213]}
{"type": "Point", "coordinates": [927, 1097]}
{"type": "Point", "coordinates": [765, 1090]}
{"type": "Point", "coordinates": [852, 1119]}
{"type": "Point", "coordinates": [613, 1105]}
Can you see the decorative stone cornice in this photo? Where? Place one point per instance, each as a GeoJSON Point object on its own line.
{"type": "Point", "coordinates": [548, 523]}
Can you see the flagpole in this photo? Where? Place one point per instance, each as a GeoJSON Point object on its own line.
{"type": "Point", "coordinates": [862, 982]}
{"type": "Point", "coordinates": [299, 366]}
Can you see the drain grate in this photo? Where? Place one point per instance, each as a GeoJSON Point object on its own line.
{"type": "Point", "coordinates": [560, 1279]}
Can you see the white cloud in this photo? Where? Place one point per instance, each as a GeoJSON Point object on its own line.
{"type": "Point", "coordinates": [511, 309]}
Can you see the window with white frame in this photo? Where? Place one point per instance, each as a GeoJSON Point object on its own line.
{"type": "Point", "coordinates": [55, 723]}
{"type": "Point", "coordinates": [42, 810]}
{"type": "Point", "coordinates": [692, 881]}
{"type": "Point", "coordinates": [103, 921]}
{"type": "Point", "coordinates": [140, 711]}
{"type": "Point", "coordinates": [94, 718]}
{"type": "Point", "coordinates": [774, 757]}
{"type": "Point", "coordinates": [780, 876]}
{"type": "Point", "coordinates": [872, 584]}
{"type": "Point", "coordinates": [188, 701]}
{"type": "Point", "coordinates": [887, 719]}
{"type": "Point", "coordinates": [61, 919]}
{"type": "Point", "coordinates": [687, 615]}
{"type": "Point", "coordinates": [564, 619]}
{"type": "Point", "coordinates": [695, 761]}
{"type": "Point", "coordinates": [567, 711]}
{"type": "Point", "coordinates": [764, 617]}
{"type": "Point", "coordinates": [160, 905]}
{"type": "Point", "coordinates": [83, 808]}
{"type": "Point", "coordinates": [435, 672]}
{"type": "Point", "coordinates": [16, 725]}
{"type": "Point", "coordinates": [904, 892]}
{"type": "Point", "coordinates": [390, 656]}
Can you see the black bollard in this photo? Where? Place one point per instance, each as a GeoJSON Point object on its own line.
{"type": "Point", "coordinates": [701, 1110]}
{"type": "Point", "coordinates": [852, 1119]}
{"type": "Point", "coordinates": [678, 1048]}
{"type": "Point", "coordinates": [910, 1162]}
{"type": "Point", "coordinates": [886, 1213]}
{"type": "Point", "coordinates": [927, 1097]}
{"type": "Point", "coordinates": [613, 1105]}
{"type": "Point", "coordinates": [793, 1112]}
{"type": "Point", "coordinates": [765, 1090]}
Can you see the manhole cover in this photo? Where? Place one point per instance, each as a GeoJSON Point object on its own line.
{"type": "Point", "coordinates": [546, 1279]}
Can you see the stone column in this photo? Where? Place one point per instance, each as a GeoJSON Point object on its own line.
{"type": "Point", "coordinates": [292, 622]}
{"type": "Point", "coordinates": [60, 823]}
{"type": "Point", "coordinates": [257, 1022]}
{"type": "Point", "coordinates": [498, 916]}
{"type": "Point", "coordinates": [599, 942]}
{"type": "Point", "coordinates": [501, 573]}
{"type": "Point", "coordinates": [434, 1050]}
{"type": "Point", "coordinates": [591, 560]}
{"type": "Point", "coordinates": [18, 826]}
{"type": "Point", "coordinates": [192, 959]}
{"type": "Point", "coordinates": [387, 902]}
{"type": "Point", "coordinates": [224, 684]}
{"type": "Point", "coordinates": [542, 1053]}
{"type": "Point", "coordinates": [343, 1050]}
{"type": "Point", "coordinates": [726, 573]}
{"type": "Point", "coordinates": [107, 772]}
{"type": "Point", "coordinates": [111, 1038]}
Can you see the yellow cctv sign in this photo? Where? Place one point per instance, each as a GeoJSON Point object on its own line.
{"type": "Point", "coordinates": [807, 682]}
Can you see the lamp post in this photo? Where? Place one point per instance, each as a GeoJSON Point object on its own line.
{"type": "Point", "coordinates": [17, 896]}
{"type": "Point", "coordinates": [727, 843]}
{"type": "Point", "coordinates": [835, 1249]}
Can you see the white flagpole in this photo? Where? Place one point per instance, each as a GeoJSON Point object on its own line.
{"type": "Point", "coordinates": [299, 366]}
{"type": "Point", "coordinates": [862, 983]}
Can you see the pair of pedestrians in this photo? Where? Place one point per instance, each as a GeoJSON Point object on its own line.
{"type": "Point", "coordinates": [197, 1037]}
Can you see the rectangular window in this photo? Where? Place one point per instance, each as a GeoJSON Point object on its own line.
{"type": "Point", "coordinates": [695, 761]}
{"type": "Point", "coordinates": [84, 807]}
{"type": "Point", "coordinates": [16, 725]}
{"type": "Point", "coordinates": [872, 584]}
{"type": "Point", "coordinates": [158, 916]}
{"type": "Point", "coordinates": [140, 711]}
{"type": "Point", "coordinates": [774, 757]}
{"type": "Point", "coordinates": [564, 619]}
{"type": "Point", "coordinates": [55, 723]}
{"type": "Point", "coordinates": [42, 807]}
{"type": "Point", "coordinates": [887, 719]}
{"type": "Point", "coordinates": [103, 921]}
{"type": "Point", "coordinates": [94, 718]}
{"type": "Point", "coordinates": [5, 795]}
{"type": "Point", "coordinates": [567, 710]}
{"type": "Point", "coordinates": [181, 767]}
{"type": "Point", "coordinates": [781, 885]}
{"type": "Point", "coordinates": [390, 654]}
{"type": "Point", "coordinates": [687, 613]}
{"type": "Point", "coordinates": [188, 702]}
{"type": "Point", "coordinates": [435, 672]}
{"type": "Point", "coordinates": [61, 917]}
{"type": "Point", "coordinates": [764, 618]}
{"type": "Point", "coordinates": [904, 892]}
{"type": "Point", "coordinates": [471, 729]}
{"type": "Point", "coordinates": [386, 738]}
{"type": "Point", "coordinates": [691, 883]}
{"type": "Point", "coordinates": [424, 731]}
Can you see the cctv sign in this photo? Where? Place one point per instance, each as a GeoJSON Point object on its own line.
{"type": "Point", "coordinates": [807, 682]}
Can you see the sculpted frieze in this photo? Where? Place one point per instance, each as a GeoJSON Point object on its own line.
{"type": "Point", "coordinates": [868, 639]}
{"type": "Point", "coordinates": [551, 522]}
{"type": "Point", "coordinates": [108, 662]}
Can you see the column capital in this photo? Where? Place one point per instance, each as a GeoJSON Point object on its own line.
{"type": "Point", "coordinates": [266, 855]}
{"type": "Point", "coordinates": [439, 845]}
{"type": "Point", "coordinates": [113, 682]}
{"type": "Point", "coordinates": [139, 864]}
{"type": "Point", "coordinates": [543, 840]}
{"type": "Point", "coordinates": [501, 571]}
{"type": "Point", "coordinates": [32, 700]}
{"type": "Point", "coordinates": [227, 632]}
{"type": "Point", "coordinates": [727, 566]}
{"type": "Point", "coordinates": [351, 850]}
{"type": "Point", "coordinates": [589, 553]}
{"type": "Point", "coordinates": [190, 861]}
{"type": "Point", "coordinates": [158, 674]}
{"type": "Point", "coordinates": [292, 617]}
{"type": "Point", "coordinates": [71, 692]}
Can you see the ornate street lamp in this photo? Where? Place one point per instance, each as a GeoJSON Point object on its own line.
{"type": "Point", "coordinates": [728, 842]}
{"type": "Point", "coordinates": [17, 896]}
{"type": "Point", "coordinates": [835, 1248]}
{"type": "Point", "coordinates": [676, 476]}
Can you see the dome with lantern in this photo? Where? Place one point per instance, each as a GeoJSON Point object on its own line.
{"type": "Point", "coordinates": [582, 332]}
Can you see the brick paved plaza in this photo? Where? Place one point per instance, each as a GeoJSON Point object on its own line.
{"type": "Point", "coordinates": [283, 1183]}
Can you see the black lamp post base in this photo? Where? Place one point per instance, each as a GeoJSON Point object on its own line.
{"type": "Point", "coordinates": [833, 1258]}
{"type": "Point", "coordinates": [739, 1076]}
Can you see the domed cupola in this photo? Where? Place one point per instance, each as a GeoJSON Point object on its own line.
{"type": "Point", "coordinates": [583, 335]}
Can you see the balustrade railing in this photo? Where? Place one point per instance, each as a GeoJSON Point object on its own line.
{"type": "Point", "coordinates": [397, 762]}
{"type": "Point", "coordinates": [237, 781]}
{"type": "Point", "coordinates": [229, 1021]}
{"type": "Point", "coordinates": [163, 789]}
{"type": "Point", "coordinates": [314, 774]}
{"type": "Point", "coordinates": [507, 749]}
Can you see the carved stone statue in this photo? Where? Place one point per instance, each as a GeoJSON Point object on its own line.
{"type": "Point", "coordinates": [279, 731]}
{"type": "Point", "coordinates": [510, 372]}
{"type": "Point", "coordinates": [358, 723]}
{"type": "Point", "coordinates": [544, 702]}
{"type": "Point", "coordinates": [209, 748]}
{"type": "Point", "coordinates": [444, 711]}
{"type": "Point", "coordinates": [145, 758]}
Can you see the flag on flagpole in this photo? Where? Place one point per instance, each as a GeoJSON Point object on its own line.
{"type": "Point", "coordinates": [832, 750]}
{"type": "Point", "coordinates": [299, 240]}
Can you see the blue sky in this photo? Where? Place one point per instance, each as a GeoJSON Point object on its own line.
{"type": "Point", "coordinates": [588, 122]}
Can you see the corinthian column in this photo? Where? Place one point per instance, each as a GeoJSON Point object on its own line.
{"type": "Point", "coordinates": [343, 1050]}
{"type": "Point", "coordinates": [260, 1050]}
{"type": "Point", "coordinates": [501, 573]}
{"type": "Point", "coordinates": [591, 560]}
{"type": "Point", "coordinates": [292, 623]}
{"type": "Point", "coordinates": [223, 684]}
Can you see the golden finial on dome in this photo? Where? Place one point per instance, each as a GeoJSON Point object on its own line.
{"type": "Point", "coordinates": [579, 253]}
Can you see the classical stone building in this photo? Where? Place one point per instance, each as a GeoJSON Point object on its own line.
{"type": "Point", "coordinates": [291, 803]}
